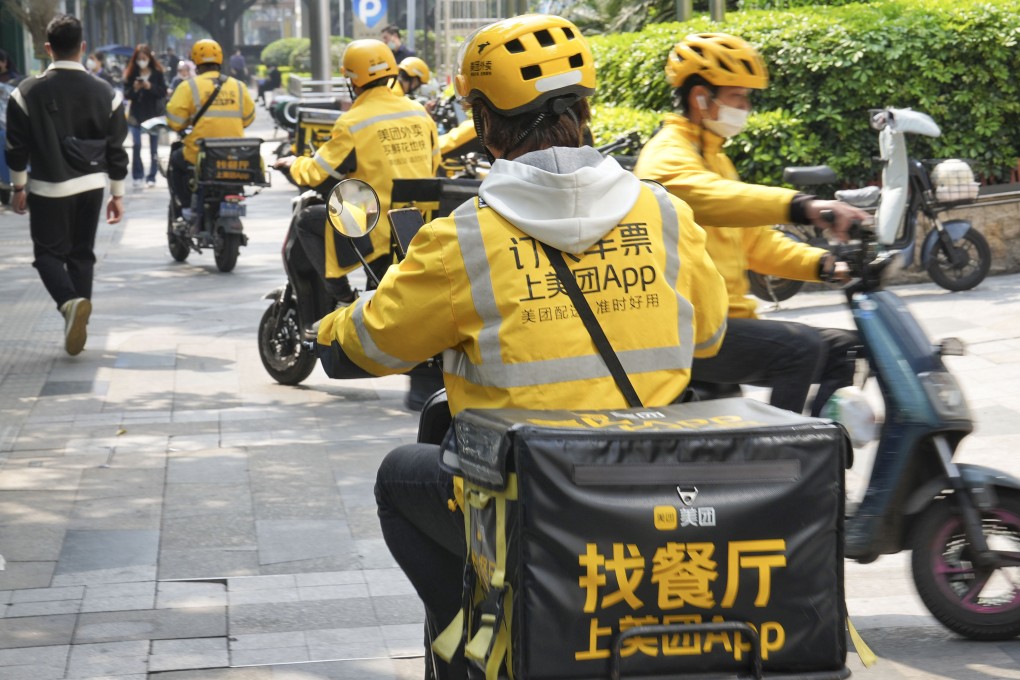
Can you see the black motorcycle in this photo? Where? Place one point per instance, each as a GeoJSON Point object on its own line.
{"type": "Point", "coordinates": [286, 331]}
{"type": "Point", "coordinates": [225, 167]}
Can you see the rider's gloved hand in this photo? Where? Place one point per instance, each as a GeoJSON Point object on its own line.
{"type": "Point", "coordinates": [833, 270]}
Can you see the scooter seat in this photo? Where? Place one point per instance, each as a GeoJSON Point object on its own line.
{"type": "Point", "coordinates": [865, 197]}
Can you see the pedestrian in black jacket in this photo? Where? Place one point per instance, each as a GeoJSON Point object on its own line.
{"type": "Point", "coordinates": [69, 127]}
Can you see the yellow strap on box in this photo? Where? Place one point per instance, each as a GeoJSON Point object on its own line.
{"type": "Point", "coordinates": [868, 657]}
{"type": "Point", "coordinates": [445, 644]}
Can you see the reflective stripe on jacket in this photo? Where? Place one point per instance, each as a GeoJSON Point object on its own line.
{"type": "Point", "coordinates": [689, 161]}
{"type": "Point", "coordinates": [480, 290]}
{"type": "Point", "coordinates": [391, 137]}
{"type": "Point", "coordinates": [228, 116]}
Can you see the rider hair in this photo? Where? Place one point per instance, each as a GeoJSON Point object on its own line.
{"type": "Point", "coordinates": [681, 95]}
{"type": "Point", "coordinates": [530, 131]}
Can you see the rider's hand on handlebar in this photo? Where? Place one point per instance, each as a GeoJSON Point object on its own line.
{"type": "Point", "coordinates": [284, 163]}
{"type": "Point", "coordinates": [835, 216]}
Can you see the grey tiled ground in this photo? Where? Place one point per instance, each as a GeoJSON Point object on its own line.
{"type": "Point", "coordinates": [168, 512]}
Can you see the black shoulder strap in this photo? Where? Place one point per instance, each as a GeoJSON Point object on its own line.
{"type": "Point", "coordinates": [598, 336]}
{"type": "Point", "coordinates": [208, 102]}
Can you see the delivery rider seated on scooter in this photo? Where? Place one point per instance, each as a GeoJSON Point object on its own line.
{"type": "Point", "coordinates": [412, 73]}
{"type": "Point", "coordinates": [382, 137]}
{"type": "Point", "coordinates": [713, 76]}
{"type": "Point", "coordinates": [227, 116]}
{"type": "Point", "coordinates": [478, 286]}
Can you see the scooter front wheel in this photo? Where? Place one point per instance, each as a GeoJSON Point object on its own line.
{"type": "Point", "coordinates": [280, 348]}
{"type": "Point", "coordinates": [772, 288]}
{"type": "Point", "coordinates": [977, 602]}
{"type": "Point", "coordinates": [966, 267]}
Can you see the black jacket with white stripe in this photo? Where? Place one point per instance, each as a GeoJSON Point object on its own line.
{"type": "Point", "coordinates": [64, 101]}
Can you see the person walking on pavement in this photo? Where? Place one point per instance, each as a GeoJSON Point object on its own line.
{"type": "Point", "coordinates": [145, 88]}
{"type": "Point", "coordinates": [238, 66]}
{"type": "Point", "coordinates": [713, 75]}
{"type": "Point", "coordinates": [69, 127]}
{"type": "Point", "coordinates": [391, 36]}
{"type": "Point", "coordinates": [94, 65]}
{"type": "Point", "coordinates": [8, 74]}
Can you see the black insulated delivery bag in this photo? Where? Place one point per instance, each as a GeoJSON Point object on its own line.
{"type": "Point", "coordinates": [231, 160]}
{"type": "Point", "coordinates": [581, 525]}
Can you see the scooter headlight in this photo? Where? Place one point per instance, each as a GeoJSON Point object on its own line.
{"type": "Point", "coordinates": [945, 394]}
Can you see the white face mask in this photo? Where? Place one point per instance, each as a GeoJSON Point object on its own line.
{"type": "Point", "coordinates": [142, 63]}
{"type": "Point", "coordinates": [90, 64]}
{"type": "Point", "coordinates": [729, 121]}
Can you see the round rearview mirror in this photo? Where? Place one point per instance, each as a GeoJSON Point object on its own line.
{"type": "Point", "coordinates": [353, 208]}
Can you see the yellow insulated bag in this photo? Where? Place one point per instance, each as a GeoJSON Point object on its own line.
{"type": "Point", "coordinates": [659, 540]}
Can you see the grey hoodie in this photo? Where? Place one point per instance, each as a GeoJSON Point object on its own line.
{"type": "Point", "coordinates": [566, 197]}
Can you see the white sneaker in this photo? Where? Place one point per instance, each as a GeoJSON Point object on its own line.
{"type": "Point", "coordinates": [150, 183]}
{"type": "Point", "coordinates": [76, 317]}
{"type": "Point", "coordinates": [136, 183]}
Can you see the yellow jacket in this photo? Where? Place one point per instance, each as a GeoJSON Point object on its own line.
{"type": "Point", "coordinates": [478, 287]}
{"type": "Point", "coordinates": [457, 137]}
{"type": "Point", "coordinates": [383, 136]}
{"type": "Point", "coordinates": [688, 160]}
{"type": "Point", "coordinates": [228, 116]}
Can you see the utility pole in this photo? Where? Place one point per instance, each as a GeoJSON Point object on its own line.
{"type": "Point", "coordinates": [319, 36]}
{"type": "Point", "coordinates": [412, 21]}
{"type": "Point", "coordinates": [717, 8]}
{"type": "Point", "coordinates": [684, 9]}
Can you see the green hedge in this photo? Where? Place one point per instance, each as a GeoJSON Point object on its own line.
{"type": "Point", "coordinates": [277, 53]}
{"type": "Point", "coordinates": [952, 59]}
{"type": "Point", "coordinates": [301, 57]}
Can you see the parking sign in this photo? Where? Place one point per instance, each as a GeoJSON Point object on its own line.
{"type": "Point", "coordinates": [370, 12]}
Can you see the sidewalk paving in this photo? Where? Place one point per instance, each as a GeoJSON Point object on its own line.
{"type": "Point", "coordinates": [168, 511]}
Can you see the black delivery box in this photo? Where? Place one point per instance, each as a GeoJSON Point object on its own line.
{"type": "Point", "coordinates": [727, 510]}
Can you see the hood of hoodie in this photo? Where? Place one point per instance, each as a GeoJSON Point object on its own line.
{"type": "Point", "coordinates": [566, 197]}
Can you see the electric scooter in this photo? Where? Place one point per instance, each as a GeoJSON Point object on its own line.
{"type": "Point", "coordinates": [954, 254]}
{"type": "Point", "coordinates": [961, 522]}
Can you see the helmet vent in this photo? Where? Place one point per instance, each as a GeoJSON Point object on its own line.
{"type": "Point", "coordinates": [577, 61]}
{"type": "Point", "coordinates": [514, 46]}
{"type": "Point", "coordinates": [567, 32]}
{"type": "Point", "coordinates": [544, 38]}
{"type": "Point", "coordinates": [531, 72]}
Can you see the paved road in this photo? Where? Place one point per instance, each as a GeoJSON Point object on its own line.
{"type": "Point", "coordinates": [167, 511]}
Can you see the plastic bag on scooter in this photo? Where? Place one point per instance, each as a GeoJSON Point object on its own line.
{"type": "Point", "coordinates": [581, 525]}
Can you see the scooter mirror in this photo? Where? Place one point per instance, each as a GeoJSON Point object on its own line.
{"type": "Point", "coordinates": [353, 208]}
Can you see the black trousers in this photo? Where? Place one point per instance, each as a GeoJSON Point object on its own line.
{"type": "Point", "coordinates": [311, 231]}
{"type": "Point", "coordinates": [424, 536]}
{"type": "Point", "coordinates": [786, 356]}
{"type": "Point", "coordinates": [63, 238]}
{"type": "Point", "coordinates": [178, 178]}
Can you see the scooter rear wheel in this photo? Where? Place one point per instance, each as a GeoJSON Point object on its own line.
{"type": "Point", "coordinates": [225, 249]}
{"type": "Point", "coordinates": [973, 260]}
{"type": "Point", "coordinates": [980, 603]}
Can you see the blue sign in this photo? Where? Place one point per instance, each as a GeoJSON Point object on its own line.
{"type": "Point", "coordinates": [142, 6]}
{"type": "Point", "coordinates": [370, 12]}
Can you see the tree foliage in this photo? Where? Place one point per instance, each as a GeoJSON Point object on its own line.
{"type": "Point", "coordinates": [955, 60]}
{"type": "Point", "coordinates": [218, 17]}
{"type": "Point", "coordinates": [35, 15]}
